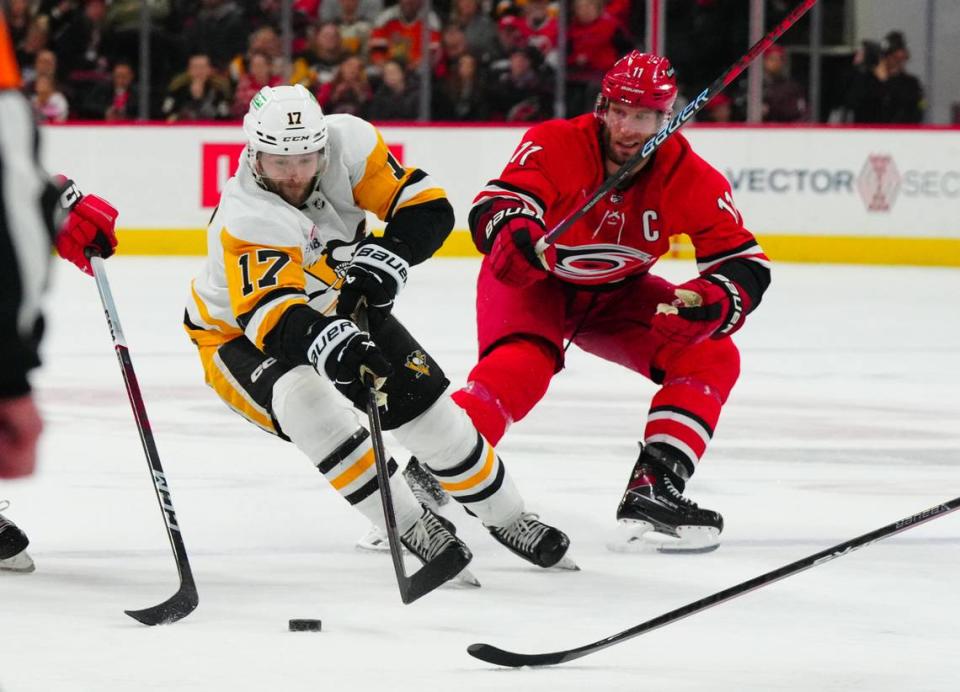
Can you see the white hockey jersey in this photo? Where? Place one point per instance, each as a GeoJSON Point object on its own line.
{"type": "Point", "coordinates": [264, 255]}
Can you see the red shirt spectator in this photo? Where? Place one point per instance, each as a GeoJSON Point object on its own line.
{"type": "Point", "coordinates": [257, 76]}
{"type": "Point", "coordinates": [596, 39]}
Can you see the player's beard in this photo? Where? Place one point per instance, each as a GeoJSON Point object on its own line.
{"type": "Point", "coordinates": [618, 154]}
{"type": "Point", "coordinates": [291, 192]}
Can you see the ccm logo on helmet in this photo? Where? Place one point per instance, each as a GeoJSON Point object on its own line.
{"type": "Point", "coordinates": [296, 139]}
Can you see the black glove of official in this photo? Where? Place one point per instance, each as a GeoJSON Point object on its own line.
{"type": "Point", "coordinates": [350, 359]}
{"type": "Point", "coordinates": [375, 275]}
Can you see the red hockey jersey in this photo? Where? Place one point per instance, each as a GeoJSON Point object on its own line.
{"type": "Point", "coordinates": [559, 164]}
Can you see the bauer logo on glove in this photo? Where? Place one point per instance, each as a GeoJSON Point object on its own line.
{"type": "Point", "coordinates": [89, 225]}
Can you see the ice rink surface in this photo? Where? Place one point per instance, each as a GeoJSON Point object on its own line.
{"type": "Point", "coordinates": [846, 418]}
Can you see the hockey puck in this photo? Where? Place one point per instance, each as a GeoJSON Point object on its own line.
{"type": "Point", "coordinates": [304, 625]}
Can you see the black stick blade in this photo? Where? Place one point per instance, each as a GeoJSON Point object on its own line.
{"type": "Point", "coordinates": [177, 607]}
{"type": "Point", "coordinates": [510, 659]}
{"type": "Point", "coordinates": [437, 572]}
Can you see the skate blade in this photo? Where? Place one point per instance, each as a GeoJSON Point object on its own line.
{"type": "Point", "coordinates": [634, 536]}
{"type": "Point", "coordinates": [467, 578]}
{"type": "Point", "coordinates": [20, 563]}
{"type": "Point", "coordinates": [566, 563]}
{"type": "Point", "coordinates": [375, 541]}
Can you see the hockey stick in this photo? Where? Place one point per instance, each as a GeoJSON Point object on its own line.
{"type": "Point", "coordinates": [691, 109]}
{"type": "Point", "coordinates": [183, 602]}
{"type": "Point", "coordinates": [500, 657]}
{"type": "Point", "coordinates": [432, 574]}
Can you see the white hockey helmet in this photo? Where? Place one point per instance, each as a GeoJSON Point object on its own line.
{"type": "Point", "coordinates": [284, 120]}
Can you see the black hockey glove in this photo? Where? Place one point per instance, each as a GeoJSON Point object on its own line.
{"type": "Point", "coordinates": [350, 358]}
{"type": "Point", "coordinates": [375, 275]}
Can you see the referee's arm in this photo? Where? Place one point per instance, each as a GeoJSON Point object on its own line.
{"type": "Point", "coordinates": [27, 203]}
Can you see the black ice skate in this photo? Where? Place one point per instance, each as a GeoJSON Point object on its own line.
{"type": "Point", "coordinates": [434, 537]}
{"type": "Point", "coordinates": [426, 488]}
{"type": "Point", "coordinates": [535, 542]}
{"type": "Point", "coordinates": [654, 502]}
{"type": "Point", "coordinates": [13, 546]}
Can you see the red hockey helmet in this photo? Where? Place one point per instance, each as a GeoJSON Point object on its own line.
{"type": "Point", "coordinates": [641, 80]}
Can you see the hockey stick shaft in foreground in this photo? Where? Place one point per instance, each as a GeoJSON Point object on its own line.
{"type": "Point", "coordinates": [694, 107]}
{"type": "Point", "coordinates": [500, 657]}
{"type": "Point", "coordinates": [183, 602]}
{"type": "Point", "coordinates": [432, 574]}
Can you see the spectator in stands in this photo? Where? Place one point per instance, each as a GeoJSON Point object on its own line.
{"type": "Point", "coordinates": [309, 9]}
{"type": "Point", "coordinates": [479, 30]}
{"type": "Point", "coordinates": [19, 15]}
{"type": "Point", "coordinates": [596, 41]}
{"type": "Point", "coordinates": [121, 26]}
{"type": "Point", "coordinates": [524, 92]}
{"type": "Point", "coordinates": [510, 37]}
{"type": "Point", "coordinates": [265, 41]}
{"type": "Point", "coordinates": [79, 43]}
{"type": "Point", "coordinates": [540, 29]}
{"type": "Point", "coordinates": [343, 10]}
{"type": "Point", "coordinates": [398, 34]}
{"type": "Point", "coordinates": [34, 41]}
{"type": "Point", "coordinates": [259, 74]}
{"type": "Point", "coordinates": [453, 46]}
{"type": "Point", "coordinates": [44, 65]}
{"type": "Point", "coordinates": [349, 92]}
{"type": "Point", "coordinates": [318, 65]}
{"type": "Point", "coordinates": [461, 94]}
{"type": "Point", "coordinates": [718, 110]}
{"type": "Point", "coordinates": [887, 93]}
{"type": "Point", "coordinates": [397, 98]}
{"type": "Point", "coordinates": [49, 105]}
{"type": "Point", "coordinates": [269, 13]}
{"type": "Point", "coordinates": [218, 30]}
{"type": "Point", "coordinates": [784, 100]}
{"type": "Point", "coordinates": [355, 26]}
{"type": "Point", "coordinates": [196, 95]}
{"type": "Point", "coordinates": [115, 100]}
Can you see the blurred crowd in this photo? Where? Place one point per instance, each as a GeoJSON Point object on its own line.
{"type": "Point", "coordinates": [489, 60]}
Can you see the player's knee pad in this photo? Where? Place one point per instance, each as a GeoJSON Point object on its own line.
{"type": "Point", "coordinates": [713, 364]}
{"type": "Point", "coordinates": [516, 373]}
{"type": "Point", "coordinates": [317, 419]}
{"type": "Point", "coordinates": [441, 436]}
{"type": "Point", "coordinates": [312, 413]}
{"type": "Point", "coordinates": [445, 440]}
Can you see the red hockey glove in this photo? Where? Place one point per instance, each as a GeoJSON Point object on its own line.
{"type": "Point", "coordinates": [710, 306]}
{"type": "Point", "coordinates": [89, 224]}
{"type": "Point", "coordinates": [513, 257]}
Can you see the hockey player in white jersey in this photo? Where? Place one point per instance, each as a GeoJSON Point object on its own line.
{"type": "Point", "coordinates": [289, 262]}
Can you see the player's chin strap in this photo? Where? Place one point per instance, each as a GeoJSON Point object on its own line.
{"type": "Point", "coordinates": [675, 123]}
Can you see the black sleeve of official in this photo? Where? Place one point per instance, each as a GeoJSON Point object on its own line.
{"type": "Point", "coordinates": [421, 228]}
{"type": "Point", "coordinates": [26, 230]}
{"type": "Point", "coordinates": [751, 276]}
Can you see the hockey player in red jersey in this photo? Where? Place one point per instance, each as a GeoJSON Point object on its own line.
{"type": "Point", "coordinates": [594, 287]}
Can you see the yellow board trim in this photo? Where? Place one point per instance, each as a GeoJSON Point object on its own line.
{"type": "Point", "coordinates": [929, 252]}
